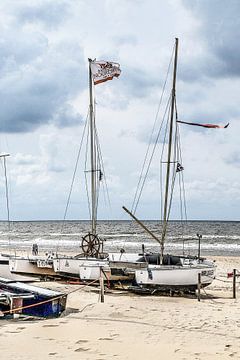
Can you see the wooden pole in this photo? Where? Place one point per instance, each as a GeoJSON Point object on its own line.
{"type": "Point", "coordinates": [92, 151]}
{"type": "Point", "coordinates": [101, 281]}
{"type": "Point", "coordinates": [199, 286]}
{"type": "Point", "coordinates": [141, 224]}
{"type": "Point", "coordinates": [234, 283]}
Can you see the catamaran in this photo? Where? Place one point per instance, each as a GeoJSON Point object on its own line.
{"type": "Point", "coordinates": [92, 260]}
{"type": "Point", "coordinates": [164, 271]}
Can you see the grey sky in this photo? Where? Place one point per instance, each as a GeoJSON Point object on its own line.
{"type": "Point", "coordinates": [44, 99]}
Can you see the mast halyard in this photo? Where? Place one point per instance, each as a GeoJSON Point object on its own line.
{"type": "Point", "coordinates": [165, 214]}
{"type": "Point", "coordinates": [93, 153]}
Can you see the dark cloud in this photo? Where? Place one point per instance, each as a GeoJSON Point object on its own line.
{"type": "Point", "coordinates": [220, 31]}
{"type": "Point", "coordinates": [38, 81]}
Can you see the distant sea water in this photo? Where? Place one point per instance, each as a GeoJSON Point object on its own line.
{"type": "Point", "coordinates": [218, 237]}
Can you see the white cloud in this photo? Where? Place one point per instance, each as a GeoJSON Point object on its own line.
{"type": "Point", "coordinates": [44, 98]}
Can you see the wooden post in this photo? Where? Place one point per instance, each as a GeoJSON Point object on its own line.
{"type": "Point", "coordinates": [101, 281]}
{"type": "Point", "coordinates": [234, 283]}
{"type": "Point", "coordinates": [199, 286]}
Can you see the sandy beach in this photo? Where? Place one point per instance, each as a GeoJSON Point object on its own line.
{"type": "Point", "coordinates": [129, 326]}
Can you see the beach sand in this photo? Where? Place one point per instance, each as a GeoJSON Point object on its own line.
{"type": "Point", "coordinates": [129, 326]}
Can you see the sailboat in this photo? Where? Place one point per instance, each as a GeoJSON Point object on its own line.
{"type": "Point", "coordinates": [164, 271]}
{"type": "Point", "coordinates": [89, 264]}
{"type": "Point", "coordinates": [92, 260]}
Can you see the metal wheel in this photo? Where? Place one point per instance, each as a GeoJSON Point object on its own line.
{"type": "Point", "coordinates": [91, 245]}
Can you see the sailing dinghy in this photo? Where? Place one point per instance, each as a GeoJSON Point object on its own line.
{"type": "Point", "coordinates": [92, 260]}
{"type": "Point", "coordinates": [168, 272]}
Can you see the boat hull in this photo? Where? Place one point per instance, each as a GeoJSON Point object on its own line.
{"type": "Point", "coordinates": [89, 268]}
{"type": "Point", "coordinates": [6, 273]}
{"type": "Point", "coordinates": [164, 277]}
{"type": "Point", "coordinates": [31, 266]}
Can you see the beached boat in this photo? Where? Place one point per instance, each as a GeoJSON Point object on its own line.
{"type": "Point", "coordinates": [167, 272]}
{"type": "Point", "coordinates": [25, 299]}
{"type": "Point", "coordinates": [92, 259]}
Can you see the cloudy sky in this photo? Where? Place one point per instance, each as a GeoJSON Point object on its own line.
{"type": "Point", "coordinates": [44, 48]}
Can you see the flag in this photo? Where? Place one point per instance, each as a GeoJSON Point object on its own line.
{"type": "Point", "coordinates": [179, 167]}
{"type": "Point", "coordinates": [103, 71]}
{"type": "Point", "coordinates": [210, 126]}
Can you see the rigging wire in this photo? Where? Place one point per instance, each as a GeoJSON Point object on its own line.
{"type": "Point", "coordinates": [7, 196]}
{"type": "Point", "coordinates": [73, 178]}
{"type": "Point", "coordinates": [174, 173]}
{"type": "Point", "coordinates": [162, 154]}
{"type": "Point", "coordinates": [101, 167]}
{"type": "Point", "coordinates": [136, 197]}
{"type": "Point", "coordinates": [183, 204]}
{"type": "Point", "coordinates": [150, 160]}
{"type": "Point", "coordinates": [86, 171]}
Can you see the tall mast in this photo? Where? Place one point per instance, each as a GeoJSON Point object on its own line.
{"type": "Point", "coordinates": [92, 152]}
{"type": "Point", "coordinates": [165, 214]}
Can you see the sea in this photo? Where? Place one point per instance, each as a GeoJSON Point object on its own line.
{"type": "Point", "coordinates": [219, 238]}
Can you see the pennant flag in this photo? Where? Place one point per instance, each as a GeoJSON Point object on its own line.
{"type": "Point", "coordinates": [210, 126]}
{"type": "Point", "coordinates": [103, 71]}
{"type": "Point", "coordinates": [179, 167]}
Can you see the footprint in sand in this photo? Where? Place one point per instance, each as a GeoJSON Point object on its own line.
{"type": "Point", "coordinates": [117, 314]}
{"type": "Point", "coordinates": [81, 341]}
{"type": "Point", "coordinates": [81, 349]}
{"type": "Point", "coordinates": [227, 346]}
{"type": "Point", "coordinates": [50, 325]}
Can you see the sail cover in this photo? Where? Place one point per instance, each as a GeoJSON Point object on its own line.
{"type": "Point", "coordinates": [103, 71]}
{"type": "Point", "coordinates": [210, 126]}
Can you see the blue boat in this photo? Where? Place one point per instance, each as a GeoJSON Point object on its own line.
{"type": "Point", "coordinates": [25, 299]}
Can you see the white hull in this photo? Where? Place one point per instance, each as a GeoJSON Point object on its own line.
{"type": "Point", "coordinates": [32, 266]}
{"type": "Point", "coordinates": [6, 273]}
{"type": "Point", "coordinates": [171, 276]}
{"type": "Point", "coordinates": [83, 268]}
{"type": "Point", "coordinates": [72, 267]}
{"type": "Point", "coordinates": [90, 268]}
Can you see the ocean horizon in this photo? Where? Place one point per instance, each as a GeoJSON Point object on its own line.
{"type": "Point", "coordinates": [218, 237]}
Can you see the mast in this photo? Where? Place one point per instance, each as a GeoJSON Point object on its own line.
{"type": "Point", "coordinates": [165, 214]}
{"type": "Point", "coordinates": [92, 152]}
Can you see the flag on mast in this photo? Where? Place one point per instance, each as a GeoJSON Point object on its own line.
{"type": "Point", "coordinates": [179, 167]}
{"type": "Point", "coordinates": [104, 70]}
{"type": "Point", "coordinates": [210, 126]}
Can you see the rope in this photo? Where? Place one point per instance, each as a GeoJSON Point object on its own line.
{"type": "Point", "coordinates": [139, 189]}
{"type": "Point", "coordinates": [85, 174]}
{"type": "Point", "coordinates": [73, 179]}
{"type": "Point", "coordinates": [150, 161]}
{"type": "Point", "coordinates": [47, 301]}
{"type": "Point", "coordinates": [101, 163]}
